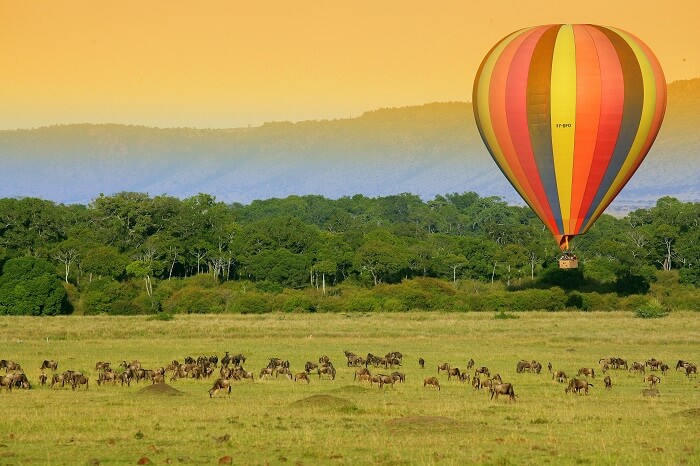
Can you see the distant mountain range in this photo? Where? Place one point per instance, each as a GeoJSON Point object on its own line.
{"type": "Point", "coordinates": [426, 150]}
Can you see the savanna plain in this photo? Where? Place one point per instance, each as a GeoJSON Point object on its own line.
{"type": "Point", "coordinates": [341, 421]}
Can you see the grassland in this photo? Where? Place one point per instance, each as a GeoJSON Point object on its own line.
{"type": "Point", "coordinates": [338, 421]}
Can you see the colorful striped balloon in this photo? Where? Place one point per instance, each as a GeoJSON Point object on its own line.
{"type": "Point", "coordinates": [568, 112]}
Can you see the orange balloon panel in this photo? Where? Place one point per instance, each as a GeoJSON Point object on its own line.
{"type": "Point", "coordinates": [568, 112]}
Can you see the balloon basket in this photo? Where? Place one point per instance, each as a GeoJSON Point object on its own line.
{"type": "Point", "coordinates": [568, 261]}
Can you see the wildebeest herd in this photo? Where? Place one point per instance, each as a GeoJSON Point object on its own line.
{"type": "Point", "coordinates": [366, 370]}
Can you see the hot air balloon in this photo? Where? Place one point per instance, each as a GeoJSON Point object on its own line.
{"type": "Point", "coordinates": [568, 112]}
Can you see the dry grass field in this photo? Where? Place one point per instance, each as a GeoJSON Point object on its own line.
{"type": "Point", "coordinates": [340, 421]}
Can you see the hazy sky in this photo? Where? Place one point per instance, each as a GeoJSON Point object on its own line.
{"type": "Point", "coordinates": [234, 63]}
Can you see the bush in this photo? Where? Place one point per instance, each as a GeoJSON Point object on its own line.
{"type": "Point", "coordinates": [578, 301]}
{"type": "Point", "coordinates": [194, 300]}
{"type": "Point", "coordinates": [568, 279]}
{"type": "Point", "coordinates": [651, 310]}
{"type": "Point", "coordinates": [690, 276]}
{"type": "Point", "coordinates": [629, 283]}
{"type": "Point", "coordinates": [251, 304]}
{"type": "Point", "coordinates": [269, 287]}
{"type": "Point", "coordinates": [505, 315]}
{"type": "Point", "coordinates": [108, 296]}
{"type": "Point", "coordinates": [298, 304]}
{"type": "Point", "coordinates": [29, 286]}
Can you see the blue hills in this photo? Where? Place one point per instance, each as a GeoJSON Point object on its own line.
{"type": "Point", "coordinates": [426, 150]}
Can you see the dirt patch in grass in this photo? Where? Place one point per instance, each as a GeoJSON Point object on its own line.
{"type": "Point", "coordinates": [160, 389]}
{"type": "Point", "coordinates": [423, 423]}
{"type": "Point", "coordinates": [691, 413]}
{"type": "Point", "coordinates": [325, 402]}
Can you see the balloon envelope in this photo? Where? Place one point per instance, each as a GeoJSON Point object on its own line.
{"type": "Point", "coordinates": [568, 112]}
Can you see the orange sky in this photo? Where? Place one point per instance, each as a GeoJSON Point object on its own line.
{"type": "Point", "coordinates": [233, 63]}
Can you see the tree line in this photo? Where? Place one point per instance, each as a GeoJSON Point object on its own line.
{"type": "Point", "coordinates": [135, 250]}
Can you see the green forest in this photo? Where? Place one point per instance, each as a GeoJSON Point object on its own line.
{"type": "Point", "coordinates": [131, 253]}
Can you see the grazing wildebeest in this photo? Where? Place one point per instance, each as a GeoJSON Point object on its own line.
{"type": "Point", "coordinates": [432, 381]}
{"type": "Point", "coordinates": [587, 371]}
{"type": "Point", "coordinates": [664, 368]}
{"type": "Point", "coordinates": [237, 360]}
{"type": "Point", "coordinates": [652, 380]}
{"type": "Point", "coordinates": [143, 374]}
{"type": "Point", "coordinates": [535, 367]}
{"type": "Point", "coordinates": [399, 376]}
{"type": "Point", "coordinates": [443, 367]}
{"type": "Point", "coordinates": [79, 380]}
{"type": "Point", "coordinates": [453, 371]}
{"type": "Point", "coordinates": [102, 365]}
{"type": "Point", "coordinates": [240, 374]}
{"type": "Point", "coordinates": [653, 364]}
{"type": "Point", "coordinates": [482, 370]}
{"type": "Point", "coordinates": [608, 382]}
{"type": "Point", "coordinates": [181, 373]}
{"type": "Point", "coordinates": [302, 376]}
{"type": "Point", "coordinates": [476, 382]}
{"type": "Point", "coordinates": [376, 379]}
{"type": "Point", "coordinates": [226, 360]}
{"type": "Point", "coordinates": [285, 371]}
{"type": "Point", "coordinates": [681, 364]}
{"type": "Point", "coordinates": [637, 367]}
{"type": "Point", "coordinates": [310, 366]}
{"type": "Point", "coordinates": [265, 372]}
{"type": "Point", "coordinates": [503, 389]}
{"type": "Point", "coordinates": [49, 364]}
{"type": "Point", "coordinates": [464, 377]}
{"type": "Point", "coordinates": [126, 376]}
{"type": "Point", "coordinates": [421, 363]}
{"type": "Point", "coordinates": [219, 384]}
{"type": "Point", "coordinates": [133, 365]}
{"type": "Point", "coordinates": [605, 368]}
{"type": "Point", "coordinates": [470, 364]}
{"type": "Point", "coordinates": [691, 369]}
{"type": "Point", "coordinates": [559, 375]}
{"type": "Point", "coordinates": [56, 379]}
{"type": "Point", "coordinates": [7, 381]}
{"type": "Point", "coordinates": [351, 357]}
{"type": "Point", "coordinates": [361, 371]}
{"type": "Point", "coordinates": [354, 360]}
{"type": "Point", "coordinates": [387, 379]}
{"type": "Point", "coordinates": [328, 370]}
{"type": "Point", "coordinates": [20, 380]}
{"type": "Point", "coordinates": [12, 366]}
{"type": "Point", "coordinates": [42, 378]}
{"type": "Point", "coordinates": [323, 359]}
{"type": "Point", "coordinates": [619, 363]}
{"type": "Point", "coordinates": [107, 376]}
{"type": "Point", "coordinates": [364, 377]}
{"type": "Point", "coordinates": [68, 377]}
{"type": "Point", "coordinates": [576, 385]}
{"type": "Point", "coordinates": [522, 365]}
